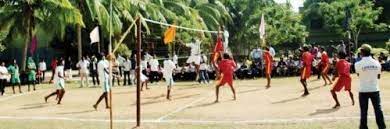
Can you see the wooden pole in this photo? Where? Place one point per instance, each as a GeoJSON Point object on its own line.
{"type": "Point", "coordinates": [138, 46]}
{"type": "Point", "coordinates": [111, 55]}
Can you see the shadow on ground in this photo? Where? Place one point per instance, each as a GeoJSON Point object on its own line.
{"type": "Point", "coordinates": [76, 112]}
{"type": "Point", "coordinates": [324, 111]}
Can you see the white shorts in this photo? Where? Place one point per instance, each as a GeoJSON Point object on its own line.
{"type": "Point", "coordinates": [143, 78]}
{"type": "Point", "coordinates": [84, 73]}
{"type": "Point", "coordinates": [194, 59]}
{"type": "Point", "coordinates": [60, 84]}
{"type": "Point", "coordinates": [169, 81]}
{"type": "Point", "coordinates": [106, 85]}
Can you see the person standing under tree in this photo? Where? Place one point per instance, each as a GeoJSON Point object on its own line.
{"type": "Point", "coordinates": [93, 71]}
{"type": "Point", "coordinates": [272, 51]}
{"type": "Point", "coordinates": [203, 75]}
{"type": "Point", "coordinates": [59, 83]}
{"type": "Point", "coordinates": [3, 77]}
{"type": "Point", "coordinates": [83, 70]}
{"type": "Point", "coordinates": [154, 68]}
{"type": "Point", "coordinates": [169, 66]}
{"type": "Point", "coordinates": [344, 78]}
{"type": "Point", "coordinates": [68, 67]}
{"type": "Point", "coordinates": [13, 69]}
{"type": "Point", "coordinates": [126, 72]}
{"type": "Point", "coordinates": [324, 65]}
{"type": "Point", "coordinates": [31, 68]}
{"type": "Point", "coordinates": [175, 58]}
{"type": "Point", "coordinates": [226, 68]}
{"type": "Point", "coordinates": [115, 71]}
{"type": "Point", "coordinates": [53, 66]}
{"type": "Point", "coordinates": [103, 66]}
{"type": "Point", "coordinates": [121, 61]}
{"type": "Point", "coordinates": [369, 72]}
{"type": "Point", "coordinates": [42, 69]}
{"type": "Point", "coordinates": [307, 60]}
{"type": "Point", "coordinates": [268, 66]}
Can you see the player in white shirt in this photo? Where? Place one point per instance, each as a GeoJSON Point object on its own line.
{"type": "Point", "coordinates": [169, 66]}
{"type": "Point", "coordinates": [115, 72]}
{"type": "Point", "coordinates": [175, 58]}
{"type": "Point", "coordinates": [195, 56]}
{"type": "Point", "coordinates": [369, 71]}
{"type": "Point", "coordinates": [103, 66]}
{"type": "Point", "coordinates": [144, 79]}
{"type": "Point", "coordinates": [3, 77]}
{"type": "Point", "coordinates": [59, 83]}
{"type": "Point", "coordinates": [121, 61]}
{"type": "Point", "coordinates": [154, 68]}
{"type": "Point", "coordinates": [226, 39]}
{"type": "Point", "coordinates": [272, 51]}
{"type": "Point", "coordinates": [203, 75]}
{"type": "Point", "coordinates": [126, 72]}
{"type": "Point", "coordinates": [83, 65]}
{"type": "Point", "coordinates": [42, 68]}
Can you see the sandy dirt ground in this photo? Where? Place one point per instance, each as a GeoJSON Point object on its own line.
{"type": "Point", "coordinates": [192, 106]}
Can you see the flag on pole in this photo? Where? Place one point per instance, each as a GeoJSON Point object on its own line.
{"type": "Point", "coordinates": [94, 35]}
{"type": "Point", "coordinates": [33, 45]}
{"type": "Point", "coordinates": [262, 27]}
{"type": "Point", "coordinates": [169, 35]}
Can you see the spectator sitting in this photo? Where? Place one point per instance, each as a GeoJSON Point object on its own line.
{"type": "Point", "coordinates": [281, 68]}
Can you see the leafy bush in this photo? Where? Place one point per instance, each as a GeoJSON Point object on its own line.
{"type": "Point", "coordinates": [2, 47]}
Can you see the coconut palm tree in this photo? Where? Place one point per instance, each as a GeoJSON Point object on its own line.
{"type": "Point", "coordinates": [24, 17]}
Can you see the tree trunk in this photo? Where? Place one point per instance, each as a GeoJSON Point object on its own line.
{"type": "Point", "coordinates": [25, 48]}
{"type": "Point", "coordinates": [356, 38]}
{"type": "Point", "coordinates": [79, 44]}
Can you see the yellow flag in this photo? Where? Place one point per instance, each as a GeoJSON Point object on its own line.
{"type": "Point", "coordinates": [169, 35]}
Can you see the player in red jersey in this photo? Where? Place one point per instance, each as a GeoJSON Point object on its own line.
{"type": "Point", "coordinates": [268, 66]}
{"type": "Point", "coordinates": [226, 69]}
{"type": "Point", "coordinates": [307, 60]}
{"type": "Point", "coordinates": [344, 78]}
{"type": "Point", "coordinates": [325, 64]}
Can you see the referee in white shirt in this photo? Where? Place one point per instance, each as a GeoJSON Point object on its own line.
{"type": "Point", "coordinates": [369, 71]}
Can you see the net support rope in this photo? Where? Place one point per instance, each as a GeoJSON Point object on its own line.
{"type": "Point", "coordinates": [181, 27]}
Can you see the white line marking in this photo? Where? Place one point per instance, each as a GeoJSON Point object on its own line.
{"type": "Point", "coordinates": [182, 108]}
{"type": "Point", "coordinates": [14, 96]}
{"type": "Point", "coordinates": [189, 121]}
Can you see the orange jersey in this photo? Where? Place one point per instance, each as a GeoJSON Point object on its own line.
{"type": "Point", "coordinates": [268, 62]}
{"type": "Point", "coordinates": [307, 60]}
{"type": "Point", "coordinates": [226, 68]}
{"type": "Point", "coordinates": [324, 58]}
{"type": "Point", "coordinates": [345, 80]}
{"type": "Point", "coordinates": [343, 68]}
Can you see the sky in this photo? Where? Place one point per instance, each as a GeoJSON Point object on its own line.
{"type": "Point", "coordinates": [295, 3]}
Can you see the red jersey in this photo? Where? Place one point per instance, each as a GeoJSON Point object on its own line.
{"type": "Point", "coordinates": [53, 64]}
{"type": "Point", "coordinates": [343, 68]}
{"type": "Point", "coordinates": [219, 45]}
{"type": "Point", "coordinates": [226, 67]}
{"type": "Point", "coordinates": [324, 58]}
{"type": "Point", "coordinates": [307, 59]}
{"type": "Point", "coordinates": [267, 58]}
{"type": "Point", "coordinates": [268, 62]}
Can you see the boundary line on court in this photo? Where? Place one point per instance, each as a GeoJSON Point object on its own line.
{"type": "Point", "coordinates": [261, 121]}
{"type": "Point", "coordinates": [182, 108]}
{"type": "Point", "coordinates": [18, 95]}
